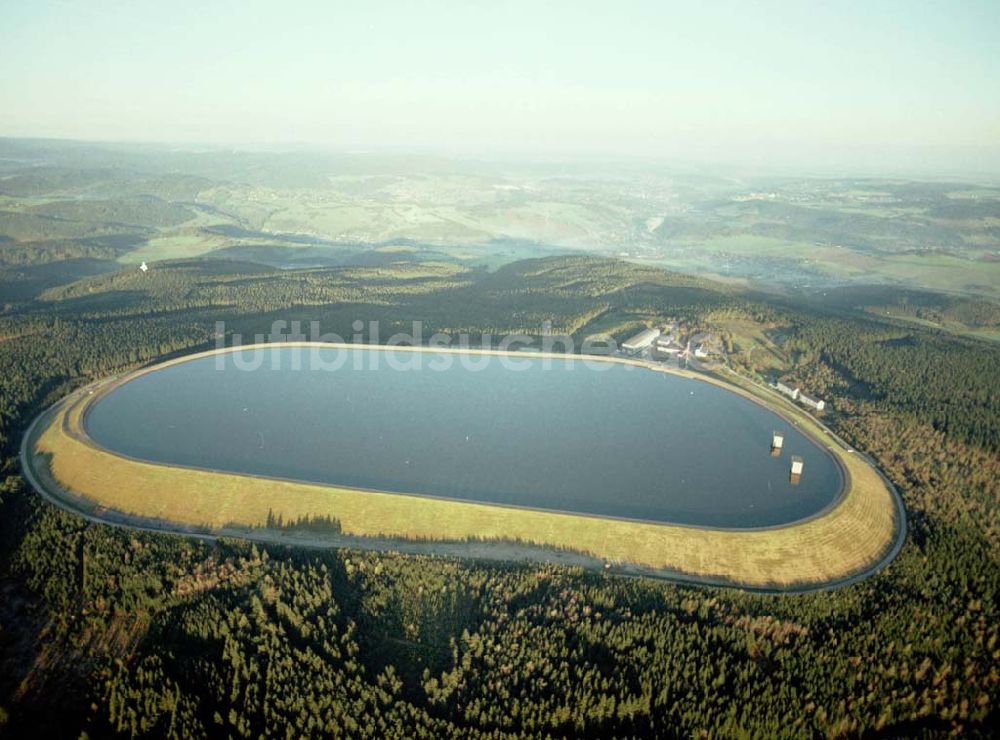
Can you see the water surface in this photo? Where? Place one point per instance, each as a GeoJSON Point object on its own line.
{"type": "Point", "coordinates": [621, 441]}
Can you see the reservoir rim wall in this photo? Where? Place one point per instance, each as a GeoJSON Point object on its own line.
{"type": "Point", "coordinates": [92, 393]}
{"type": "Point", "coordinates": [93, 512]}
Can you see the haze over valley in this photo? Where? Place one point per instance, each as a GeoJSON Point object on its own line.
{"type": "Point", "coordinates": [124, 204]}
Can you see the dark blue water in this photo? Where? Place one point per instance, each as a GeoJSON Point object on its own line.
{"type": "Point", "coordinates": [621, 441]}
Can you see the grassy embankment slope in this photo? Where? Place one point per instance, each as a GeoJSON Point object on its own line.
{"type": "Point", "coordinates": [850, 537]}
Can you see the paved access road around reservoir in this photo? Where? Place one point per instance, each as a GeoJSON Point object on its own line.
{"type": "Point", "coordinates": [553, 551]}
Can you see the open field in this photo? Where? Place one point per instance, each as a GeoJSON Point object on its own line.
{"type": "Point", "coordinates": [800, 264]}
{"type": "Point", "coordinates": [768, 232]}
{"type": "Point", "coordinates": [851, 537]}
{"type": "Point", "coordinates": [176, 246]}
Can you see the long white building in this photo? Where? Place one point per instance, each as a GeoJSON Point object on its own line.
{"type": "Point", "coordinates": [815, 403]}
{"type": "Point", "coordinates": [641, 340]}
{"type": "Point", "coordinates": [792, 393]}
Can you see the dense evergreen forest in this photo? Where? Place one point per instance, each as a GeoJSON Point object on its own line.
{"type": "Point", "coordinates": [106, 631]}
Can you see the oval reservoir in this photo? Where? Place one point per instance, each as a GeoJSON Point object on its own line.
{"type": "Point", "coordinates": [574, 435]}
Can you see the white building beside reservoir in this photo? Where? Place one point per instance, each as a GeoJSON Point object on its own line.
{"type": "Point", "coordinates": [792, 393]}
{"type": "Point", "coordinates": [640, 341]}
{"type": "Point", "coordinates": [818, 403]}
{"type": "Point", "coordinates": [667, 345]}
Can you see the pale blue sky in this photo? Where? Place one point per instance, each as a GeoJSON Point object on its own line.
{"type": "Point", "coordinates": [900, 84]}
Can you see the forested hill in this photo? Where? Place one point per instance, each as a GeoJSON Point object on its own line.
{"type": "Point", "coordinates": [111, 632]}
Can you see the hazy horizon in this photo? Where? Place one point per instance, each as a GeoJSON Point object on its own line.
{"type": "Point", "coordinates": [892, 89]}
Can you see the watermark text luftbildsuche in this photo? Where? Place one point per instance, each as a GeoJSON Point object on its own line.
{"type": "Point", "coordinates": [298, 348]}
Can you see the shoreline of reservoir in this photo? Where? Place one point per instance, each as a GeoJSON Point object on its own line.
{"type": "Point", "coordinates": [593, 551]}
{"type": "Point", "coordinates": [105, 388]}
